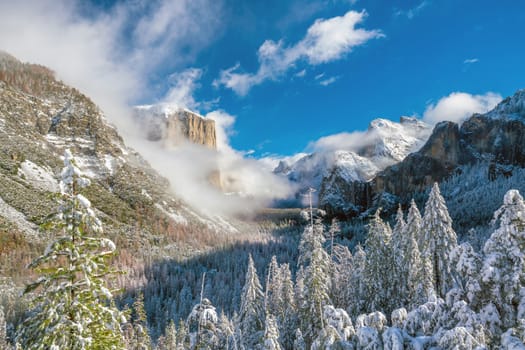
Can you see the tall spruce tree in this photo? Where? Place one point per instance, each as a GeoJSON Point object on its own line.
{"type": "Point", "coordinates": [378, 274]}
{"type": "Point", "coordinates": [141, 339]}
{"type": "Point", "coordinates": [316, 283]}
{"type": "Point", "coordinates": [356, 286]}
{"type": "Point", "coordinates": [74, 307]}
{"type": "Point", "coordinates": [438, 240]}
{"type": "Point", "coordinates": [415, 282]}
{"type": "Point", "coordinates": [251, 318]}
{"type": "Point", "coordinates": [503, 271]}
{"type": "Point", "coordinates": [3, 329]}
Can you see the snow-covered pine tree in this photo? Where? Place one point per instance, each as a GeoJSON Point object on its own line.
{"type": "Point", "coordinates": [170, 336]}
{"type": "Point", "coordinates": [438, 241]}
{"type": "Point", "coordinates": [3, 330]}
{"type": "Point", "coordinates": [415, 283]}
{"type": "Point", "coordinates": [503, 271]}
{"type": "Point", "coordinates": [250, 320]}
{"type": "Point", "coordinates": [271, 334]}
{"type": "Point", "coordinates": [316, 283]}
{"type": "Point", "coordinates": [467, 264]}
{"type": "Point", "coordinates": [298, 343]}
{"type": "Point", "coordinates": [203, 326]}
{"type": "Point", "coordinates": [274, 302]}
{"type": "Point", "coordinates": [74, 307]}
{"type": "Point", "coordinates": [287, 311]}
{"type": "Point", "coordinates": [398, 254]}
{"type": "Point", "coordinates": [356, 286]}
{"type": "Point", "coordinates": [141, 339]}
{"type": "Point", "coordinates": [341, 268]}
{"type": "Point", "coordinates": [379, 275]}
{"type": "Point", "coordinates": [183, 341]}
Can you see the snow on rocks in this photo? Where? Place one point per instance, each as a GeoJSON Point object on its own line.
{"type": "Point", "coordinates": [38, 176]}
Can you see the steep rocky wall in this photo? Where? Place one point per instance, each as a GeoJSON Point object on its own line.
{"type": "Point", "coordinates": [498, 137]}
{"type": "Point", "coordinates": [185, 125]}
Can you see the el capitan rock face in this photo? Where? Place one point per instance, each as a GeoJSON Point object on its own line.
{"type": "Point", "coordinates": [174, 126]}
{"type": "Point", "coordinates": [497, 136]}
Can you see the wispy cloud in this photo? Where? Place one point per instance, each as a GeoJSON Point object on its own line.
{"type": "Point", "coordinates": [301, 73]}
{"type": "Point", "coordinates": [111, 56]}
{"type": "Point", "coordinates": [325, 41]}
{"type": "Point", "coordinates": [328, 81]}
{"type": "Point", "coordinates": [470, 60]}
{"type": "Point", "coordinates": [108, 55]}
{"type": "Point", "coordinates": [414, 11]}
{"type": "Point", "coordinates": [458, 106]}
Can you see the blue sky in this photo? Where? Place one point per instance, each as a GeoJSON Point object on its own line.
{"type": "Point", "coordinates": [426, 51]}
{"type": "Point", "coordinates": [328, 66]}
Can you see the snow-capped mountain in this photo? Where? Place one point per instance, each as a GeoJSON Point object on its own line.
{"type": "Point", "coordinates": [384, 143]}
{"type": "Point", "coordinates": [494, 138]}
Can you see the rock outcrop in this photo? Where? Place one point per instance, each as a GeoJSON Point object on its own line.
{"type": "Point", "coordinates": [175, 126]}
{"type": "Point", "coordinates": [497, 137]}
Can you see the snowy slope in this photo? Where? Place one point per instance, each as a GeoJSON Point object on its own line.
{"type": "Point", "coordinates": [512, 107]}
{"type": "Point", "coordinates": [383, 144]}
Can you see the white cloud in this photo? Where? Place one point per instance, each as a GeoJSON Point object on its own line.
{"type": "Point", "coordinates": [183, 86]}
{"type": "Point", "coordinates": [110, 57]}
{"type": "Point", "coordinates": [301, 73]}
{"type": "Point", "coordinates": [458, 106]}
{"type": "Point", "coordinates": [328, 81]}
{"type": "Point", "coordinates": [414, 11]}
{"type": "Point", "coordinates": [325, 41]}
{"type": "Point", "coordinates": [471, 60]}
{"type": "Point", "coordinates": [107, 55]}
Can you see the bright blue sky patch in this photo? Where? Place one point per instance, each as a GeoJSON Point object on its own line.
{"type": "Point", "coordinates": [289, 71]}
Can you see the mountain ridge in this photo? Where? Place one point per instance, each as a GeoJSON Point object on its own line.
{"type": "Point", "coordinates": [495, 137]}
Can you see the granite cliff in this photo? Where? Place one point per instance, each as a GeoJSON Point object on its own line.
{"type": "Point", "coordinates": [174, 126]}
{"type": "Point", "coordinates": [496, 137]}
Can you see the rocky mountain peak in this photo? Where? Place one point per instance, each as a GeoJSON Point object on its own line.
{"type": "Point", "coordinates": [174, 125]}
{"type": "Point", "coordinates": [496, 137]}
{"type": "Point", "coordinates": [513, 107]}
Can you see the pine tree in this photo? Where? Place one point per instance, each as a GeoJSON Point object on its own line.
{"type": "Point", "coordinates": [316, 284]}
{"type": "Point", "coordinates": [341, 267]}
{"type": "Point", "coordinates": [203, 326]}
{"type": "Point", "coordinates": [74, 309]}
{"type": "Point", "coordinates": [287, 318]}
{"type": "Point", "coordinates": [299, 343]}
{"type": "Point", "coordinates": [415, 284]}
{"type": "Point", "coordinates": [438, 241]}
{"type": "Point", "coordinates": [3, 329]}
{"type": "Point", "coordinates": [183, 342]}
{"type": "Point", "coordinates": [251, 313]}
{"type": "Point", "coordinates": [356, 286]}
{"type": "Point", "coordinates": [271, 334]}
{"type": "Point", "coordinates": [503, 271]}
{"type": "Point", "coordinates": [378, 274]}
{"type": "Point", "coordinates": [141, 339]}
{"type": "Point", "coordinates": [170, 336]}
{"type": "Point", "coordinates": [274, 302]}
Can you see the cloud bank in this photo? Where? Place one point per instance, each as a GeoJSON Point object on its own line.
{"type": "Point", "coordinates": [458, 106]}
{"type": "Point", "coordinates": [113, 56]}
{"type": "Point", "coordinates": [326, 40]}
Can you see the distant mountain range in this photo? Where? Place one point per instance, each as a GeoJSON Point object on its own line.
{"type": "Point", "coordinates": [406, 158]}
{"type": "Point", "coordinates": [384, 143]}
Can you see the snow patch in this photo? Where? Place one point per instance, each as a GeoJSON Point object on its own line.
{"type": "Point", "coordinates": [171, 214]}
{"type": "Point", "coordinates": [16, 217]}
{"type": "Point", "coordinates": [37, 176]}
